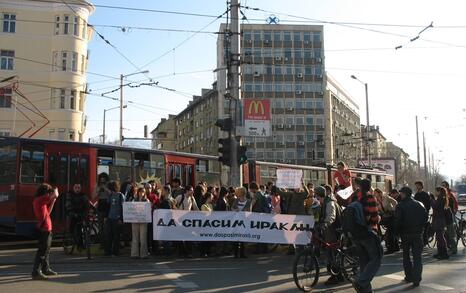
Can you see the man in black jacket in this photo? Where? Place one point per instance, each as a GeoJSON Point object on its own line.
{"type": "Point", "coordinates": [423, 197]}
{"type": "Point", "coordinates": [410, 219]}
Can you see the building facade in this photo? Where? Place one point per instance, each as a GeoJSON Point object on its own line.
{"type": "Point", "coordinates": [43, 50]}
{"type": "Point", "coordinates": [286, 64]}
{"type": "Point", "coordinates": [343, 131]}
{"type": "Point", "coordinates": [163, 136]}
{"type": "Point", "coordinates": [194, 129]}
{"type": "Point", "coordinates": [377, 142]}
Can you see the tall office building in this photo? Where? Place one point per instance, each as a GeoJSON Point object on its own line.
{"type": "Point", "coordinates": [43, 62]}
{"type": "Point", "coordinates": [284, 63]}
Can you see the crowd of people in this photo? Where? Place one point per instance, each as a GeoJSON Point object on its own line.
{"type": "Point", "coordinates": [403, 214]}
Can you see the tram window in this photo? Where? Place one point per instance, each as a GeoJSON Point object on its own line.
{"type": "Point", "coordinates": [213, 167]}
{"type": "Point", "coordinates": [84, 168]}
{"type": "Point", "coordinates": [52, 169]}
{"type": "Point", "coordinates": [122, 158]}
{"type": "Point", "coordinates": [32, 164]}
{"type": "Point", "coordinates": [189, 175]}
{"type": "Point", "coordinates": [63, 170]}
{"type": "Point", "coordinates": [178, 172]}
{"type": "Point", "coordinates": [201, 166]}
{"type": "Point", "coordinates": [74, 170]}
{"type": "Point", "coordinates": [7, 164]}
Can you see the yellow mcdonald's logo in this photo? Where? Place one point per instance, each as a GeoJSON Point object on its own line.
{"type": "Point", "coordinates": [257, 106]}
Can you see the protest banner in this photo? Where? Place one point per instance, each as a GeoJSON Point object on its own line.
{"type": "Point", "coordinates": [289, 178]}
{"type": "Point", "coordinates": [137, 212]}
{"type": "Point", "coordinates": [345, 193]}
{"type": "Point", "coordinates": [178, 225]}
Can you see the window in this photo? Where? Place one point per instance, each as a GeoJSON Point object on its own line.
{"type": "Point", "coordinates": [289, 104]}
{"type": "Point", "coordinates": [257, 35]}
{"type": "Point", "coordinates": [290, 138]}
{"type": "Point", "coordinates": [9, 23]}
{"type": "Point", "coordinates": [32, 164]}
{"type": "Point", "coordinates": [268, 35]}
{"type": "Point", "coordinates": [76, 26]}
{"type": "Point", "coordinates": [277, 36]}
{"type": "Point", "coordinates": [319, 104]}
{"type": "Point", "coordinates": [307, 36]}
{"type": "Point", "coordinates": [66, 25]}
{"type": "Point", "coordinates": [81, 101]}
{"type": "Point", "coordinates": [299, 120]}
{"type": "Point", "coordinates": [290, 155]}
{"type": "Point", "coordinates": [310, 137]}
{"type": "Point", "coordinates": [74, 62]}
{"type": "Point", "coordinates": [5, 97]}
{"type": "Point", "coordinates": [62, 98]}
{"type": "Point", "coordinates": [7, 164]}
{"type": "Point", "coordinates": [316, 36]}
{"type": "Point", "coordinates": [247, 35]}
{"type": "Point", "coordinates": [73, 100]}
{"type": "Point", "coordinates": [278, 103]}
{"type": "Point", "coordinates": [64, 57]}
{"type": "Point", "coordinates": [299, 104]}
{"type": "Point", "coordinates": [71, 135]}
{"type": "Point", "coordinates": [287, 36]}
{"type": "Point", "coordinates": [57, 25]}
{"type": "Point", "coordinates": [300, 154]}
{"type": "Point", "coordinates": [309, 120]}
{"type": "Point", "coordinates": [297, 36]}
{"type": "Point", "coordinates": [279, 155]}
{"type": "Point", "coordinates": [7, 59]}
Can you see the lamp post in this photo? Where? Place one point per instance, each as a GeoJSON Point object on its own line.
{"type": "Point", "coordinates": [105, 112]}
{"type": "Point", "coordinates": [121, 100]}
{"type": "Point", "coordinates": [368, 156]}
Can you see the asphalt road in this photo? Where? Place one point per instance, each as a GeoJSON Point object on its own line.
{"type": "Point", "coordinates": [264, 273]}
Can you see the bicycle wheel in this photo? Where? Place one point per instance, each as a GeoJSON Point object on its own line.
{"type": "Point", "coordinates": [462, 232]}
{"type": "Point", "coordinates": [305, 270]}
{"type": "Point", "coordinates": [90, 238]}
{"type": "Point", "coordinates": [348, 260]}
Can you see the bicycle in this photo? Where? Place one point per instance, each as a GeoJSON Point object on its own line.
{"type": "Point", "coordinates": [306, 268]}
{"type": "Point", "coordinates": [460, 227]}
{"type": "Point", "coordinates": [85, 235]}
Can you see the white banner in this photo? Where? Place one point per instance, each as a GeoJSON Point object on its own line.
{"type": "Point", "coordinates": [137, 212]}
{"type": "Point", "coordinates": [231, 226]}
{"type": "Point", "coordinates": [289, 178]}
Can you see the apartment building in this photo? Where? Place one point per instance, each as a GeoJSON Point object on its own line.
{"type": "Point", "coordinates": [43, 62]}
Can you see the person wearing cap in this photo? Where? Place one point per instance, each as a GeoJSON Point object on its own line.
{"type": "Point", "coordinates": [370, 249]}
{"type": "Point", "coordinates": [410, 220]}
{"type": "Point", "coordinates": [330, 217]}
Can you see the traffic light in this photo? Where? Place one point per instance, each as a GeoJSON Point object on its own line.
{"type": "Point", "coordinates": [242, 158]}
{"type": "Point", "coordinates": [224, 124]}
{"type": "Point", "coordinates": [224, 151]}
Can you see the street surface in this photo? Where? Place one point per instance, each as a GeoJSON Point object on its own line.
{"type": "Point", "coordinates": [257, 273]}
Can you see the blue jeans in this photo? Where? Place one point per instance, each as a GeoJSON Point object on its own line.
{"type": "Point", "coordinates": [370, 258]}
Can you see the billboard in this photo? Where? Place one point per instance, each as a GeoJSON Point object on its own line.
{"type": "Point", "coordinates": [387, 164]}
{"type": "Point", "coordinates": [257, 117]}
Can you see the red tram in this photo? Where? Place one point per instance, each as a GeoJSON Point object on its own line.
{"type": "Point", "coordinates": [25, 163]}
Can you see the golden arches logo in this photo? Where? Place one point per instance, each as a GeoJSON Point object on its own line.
{"type": "Point", "coordinates": [258, 105]}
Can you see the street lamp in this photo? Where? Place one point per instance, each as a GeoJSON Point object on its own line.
{"type": "Point", "coordinates": [121, 100]}
{"type": "Point", "coordinates": [368, 156]}
{"type": "Point", "coordinates": [105, 111]}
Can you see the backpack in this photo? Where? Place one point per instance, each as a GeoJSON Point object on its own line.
{"type": "Point", "coordinates": [352, 221]}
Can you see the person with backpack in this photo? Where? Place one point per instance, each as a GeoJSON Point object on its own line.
{"type": "Point", "coordinates": [370, 250]}
{"type": "Point", "coordinates": [186, 201]}
{"type": "Point", "coordinates": [410, 220]}
{"type": "Point", "coordinates": [329, 221]}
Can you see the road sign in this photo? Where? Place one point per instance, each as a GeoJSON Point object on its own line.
{"type": "Point", "coordinates": [257, 117]}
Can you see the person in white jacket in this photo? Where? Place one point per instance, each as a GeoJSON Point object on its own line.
{"type": "Point", "coordinates": [139, 230]}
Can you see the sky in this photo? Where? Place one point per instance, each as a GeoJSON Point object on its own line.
{"type": "Point", "coordinates": [424, 77]}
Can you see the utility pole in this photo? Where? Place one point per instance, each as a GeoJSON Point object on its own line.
{"type": "Point", "coordinates": [368, 148]}
{"type": "Point", "coordinates": [425, 157]}
{"type": "Point", "coordinates": [233, 84]}
{"type": "Point", "coordinates": [121, 109]}
{"type": "Point", "coordinates": [418, 154]}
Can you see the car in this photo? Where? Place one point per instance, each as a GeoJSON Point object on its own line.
{"type": "Point", "coordinates": [461, 193]}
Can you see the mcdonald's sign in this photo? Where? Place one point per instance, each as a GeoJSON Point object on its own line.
{"type": "Point", "coordinates": [256, 109]}
{"type": "Point", "coordinates": [256, 115]}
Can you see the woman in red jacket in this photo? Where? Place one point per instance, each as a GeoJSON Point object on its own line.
{"type": "Point", "coordinates": [44, 200]}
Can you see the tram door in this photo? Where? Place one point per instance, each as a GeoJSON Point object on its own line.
{"type": "Point", "coordinates": [185, 172]}
{"type": "Point", "coordinates": [65, 170]}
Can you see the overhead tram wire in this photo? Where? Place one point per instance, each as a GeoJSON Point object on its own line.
{"type": "Point", "coordinates": [355, 27]}
{"type": "Point", "coordinates": [185, 40]}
